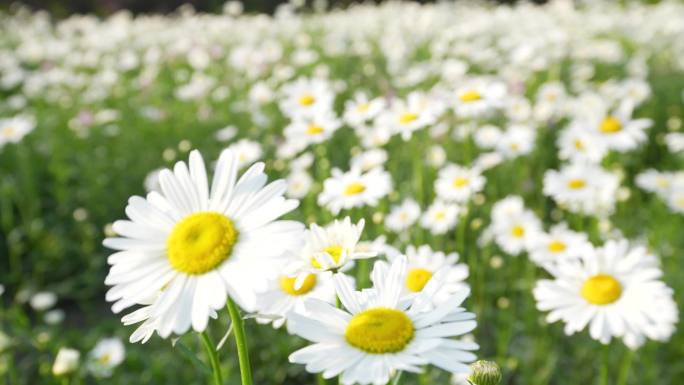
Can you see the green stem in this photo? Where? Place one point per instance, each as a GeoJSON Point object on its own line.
{"type": "Point", "coordinates": [319, 379]}
{"type": "Point", "coordinates": [240, 342]}
{"type": "Point", "coordinates": [625, 367]}
{"type": "Point", "coordinates": [213, 357]}
{"type": "Point", "coordinates": [603, 373]}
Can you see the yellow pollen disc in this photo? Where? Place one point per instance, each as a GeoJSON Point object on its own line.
{"type": "Point", "coordinates": [460, 182]}
{"type": "Point", "coordinates": [103, 359]}
{"type": "Point", "coordinates": [556, 246]}
{"type": "Point", "coordinates": [579, 145]}
{"type": "Point", "coordinates": [576, 184]}
{"type": "Point", "coordinates": [601, 289]}
{"type": "Point", "coordinates": [470, 96]}
{"type": "Point", "coordinates": [8, 132]}
{"type": "Point", "coordinates": [287, 285]}
{"type": "Point", "coordinates": [379, 331]}
{"type": "Point", "coordinates": [314, 129]}
{"type": "Point", "coordinates": [334, 251]}
{"type": "Point", "coordinates": [518, 231]}
{"type": "Point", "coordinates": [662, 182]}
{"type": "Point", "coordinates": [354, 189]}
{"type": "Point", "coordinates": [408, 117]}
{"type": "Point", "coordinates": [201, 242]}
{"type": "Point", "coordinates": [307, 100]}
{"type": "Point", "coordinates": [417, 278]}
{"type": "Point", "coordinates": [363, 107]}
{"type": "Point", "coordinates": [610, 125]}
{"type": "Point", "coordinates": [440, 215]}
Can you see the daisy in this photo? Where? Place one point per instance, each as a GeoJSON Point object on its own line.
{"type": "Point", "coordinates": [403, 216]}
{"type": "Point", "coordinates": [517, 140]}
{"type": "Point", "coordinates": [354, 189]}
{"type": "Point", "coordinates": [559, 243]}
{"type": "Point", "coordinates": [406, 117]}
{"type": "Point", "coordinates": [306, 97]}
{"type": "Point", "coordinates": [287, 293]}
{"type": "Point", "coordinates": [458, 183]}
{"type": "Point", "coordinates": [298, 184]}
{"type": "Point", "coordinates": [440, 217]}
{"type": "Point", "coordinates": [247, 151]}
{"type": "Point", "coordinates": [105, 356]}
{"type": "Point", "coordinates": [615, 292]}
{"type": "Point", "coordinates": [369, 160]}
{"type": "Point", "coordinates": [424, 263]}
{"type": "Point", "coordinates": [487, 136]}
{"type": "Point", "coordinates": [313, 128]}
{"type": "Point", "coordinates": [13, 130]}
{"type": "Point", "coordinates": [477, 97]}
{"type": "Point", "coordinates": [658, 182]}
{"type": "Point", "coordinates": [360, 110]}
{"type": "Point", "coordinates": [330, 248]}
{"type": "Point", "coordinates": [376, 334]}
{"type": "Point", "coordinates": [515, 229]}
{"type": "Point", "coordinates": [66, 361]}
{"type": "Point", "coordinates": [577, 144]}
{"type": "Point", "coordinates": [185, 250]}
{"type": "Point", "coordinates": [618, 130]}
{"type": "Point", "coordinates": [582, 188]}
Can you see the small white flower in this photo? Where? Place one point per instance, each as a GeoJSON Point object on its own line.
{"type": "Point", "coordinates": [66, 361]}
{"type": "Point", "coordinates": [43, 300]}
{"type": "Point", "coordinates": [403, 216]}
{"type": "Point", "coordinates": [105, 356]}
{"type": "Point", "coordinates": [458, 183]}
{"type": "Point", "coordinates": [440, 217]}
{"type": "Point", "coordinates": [354, 189]}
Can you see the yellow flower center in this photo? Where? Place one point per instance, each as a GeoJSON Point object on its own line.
{"type": "Point", "coordinates": [407, 117]}
{"type": "Point", "coordinates": [8, 132]}
{"type": "Point", "coordinates": [334, 251]}
{"type": "Point", "coordinates": [601, 289]}
{"type": "Point", "coordinates": [556, 246]}
{"type": "Point", "coordinates": [104, 359]}
{"type": "Point", "coordinates": [287, 285]}
{"type": "Point", "coordinates": [201, 242]}
{"type": "Point", "coordinates": [576, 184]}
{"type": "Point", "coordinates": [579, 145]}
{"type": "Point", "coordinates": [307, 100]}
{"type": "Point", "coordinates": [354, 189]}
{"type": "Point", "coordinates": [440, 215]}
{"type": "Point", "coordinates": [460, 182]}
{"type": "Point", "coordinates": [470, 96]}
{"type": "Point", "coordinates": [363, 107]}
{"type": "Point", "coordinates": [379, 331]}
{"type": "Point", "coordinates": [518, 231]}
{"type": "Point", "coordinates": [610, 125]}
{"type": "Point", "coordinates": [417, 278]}
{"type": "Point", "coordinates": [314, 129]}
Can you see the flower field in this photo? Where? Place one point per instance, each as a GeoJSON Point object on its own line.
{"type": "Point", "coordinates": [383, 194]}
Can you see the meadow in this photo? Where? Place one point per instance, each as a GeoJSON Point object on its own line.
{"type": "Point", "coordinates": [499, 183]}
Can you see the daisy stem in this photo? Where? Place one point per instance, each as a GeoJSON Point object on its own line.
{"type": "Point", "coordinates": [240, 342]}
{"type": "Point", "coordinates": [319, 379]}
{"type": "Point", "coordinates": [397, 377]}
{"type": "Point", "coordinates": [603, 373]}
{"type": "Point", "coordinates": [213, 357]}
{"type": "Point", "coordinates": [625, 367]}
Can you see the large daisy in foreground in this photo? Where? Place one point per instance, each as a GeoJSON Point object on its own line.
{"type": "Point", "coordinates": [185, 249]}
{"type": "Point", "coordinates": [379, 333]}
{"type": "Point", "coordinates": [614, 291]}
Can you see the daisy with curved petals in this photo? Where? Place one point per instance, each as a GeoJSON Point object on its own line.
{"type": "Point", "coordinates": [615, 291]}
{"type": "Point", "coordinates": [377, 334]}
{"type": "Point", "coordinates": [184, 250]}
{"type": "Point", "coordinates": [354, 189]}
{"type": "Point", "coordinates": [458, 183]}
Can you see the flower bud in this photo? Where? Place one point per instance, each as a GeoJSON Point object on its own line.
{"type": "Point", "coordinates": [66, 361]}
{"type": "Point", "coordinates": [485, 373]}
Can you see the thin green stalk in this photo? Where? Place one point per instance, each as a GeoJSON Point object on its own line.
{"type": "Point", "coordinates": [213, 357]}
{"type": "Point", "coordinates": [603, 373]}
{"type": "Point", "coordinates": [240, 342]}
{"type": "Point", "coordinates": [319, 379]}
{"type": "Point", "coordinates": [625, 367]}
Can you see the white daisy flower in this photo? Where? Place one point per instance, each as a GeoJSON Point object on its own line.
{"type": "Point", "coordinates": [517, 233]}
{"type": "Point", "coordinates": [458, 183]}
{"type": "Point", "coordinates": [440, 217]}
{"type": "Point", "coordinates": [312, 128]}
{"type": "Point", "coordinates": [14, 129]}
{"type": "Point", "coordinates": [66, 361]}
{"type": "Point", "coordinates": [658, 182]}
{"type": "Point", "coordinates": [105, 356]}
{"type": "Point", "coordinates": [577, 144]}
{"type": "Point", "coordinates": [582, 188]}
{"type": "Point", "coordinates": [298, 184]}
{"type": "Point", "coordinates": [614, 291]}
{"type": "Point", "coordinates": [618, 130]}
{"type": "Point", "coordinates": [406, 117]}
{"type": "Point", "coordinates": [487, 136]}
{"type": "Point", "coordinates": [477, 97]}
{"type": "Point", "coordinates": [247, 151]}
{"type": "Point", "coordinates": [369, 159]}
{"type": "Point", "coordinates": [306, 97]}
{"type": "Point", "coordinates": [517, 140]}
{"type": "Point", "coordinates": [185, 250]}
{"type": "Point", "coordinates": [333, 247]}
{"type": "Point", "coordinates": [361, 110]}
{"type": "Point", "coordinates": [354, 189]}
{"type": "Point", "coordinates": [403, 216]}
{"type": "Point", "coordinates": [376, 334]}
{"type": "Point", "coordinates": [424, 263]}
{"type": "Point", "coordinates": [559, 243]}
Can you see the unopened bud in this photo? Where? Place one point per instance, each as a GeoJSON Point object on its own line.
{"type": "Point", "coordinates": [485, 373]}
